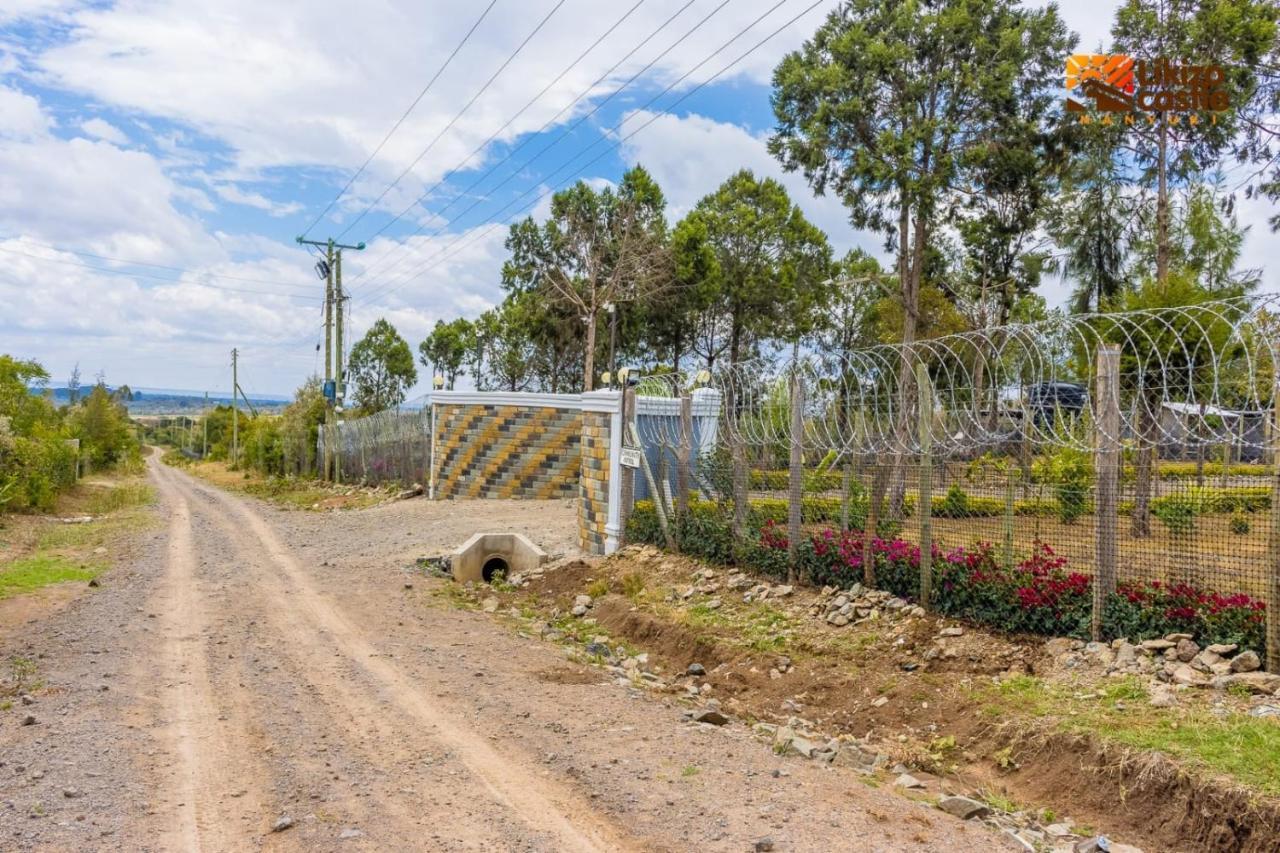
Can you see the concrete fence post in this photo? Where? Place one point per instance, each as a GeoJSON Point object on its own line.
{"type": "Point", "coordinates": [924, 502]}
{"type": "Point", "coordinates": [1106, 433]}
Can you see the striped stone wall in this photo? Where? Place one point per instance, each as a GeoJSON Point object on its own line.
{"type": "Point", "coordinates": [593, 488]}
{"type": "Point", "coordinates": [506, 451]}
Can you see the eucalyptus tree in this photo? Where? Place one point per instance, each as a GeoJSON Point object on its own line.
{"type": "Point", "coordinates": [598, 247]}
{"type": "Point", "coordinates": [381, 368]}
{"type": "Point", "coordinates": [889, 102]}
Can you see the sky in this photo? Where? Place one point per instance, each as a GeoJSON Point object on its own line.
{"type": "Point", "coordinates": [158, 158]}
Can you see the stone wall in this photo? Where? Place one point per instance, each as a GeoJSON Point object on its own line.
{"type": "Point", "coordinates": [505, 451]}
{"type": "Point", "coordinates": [593, 489]}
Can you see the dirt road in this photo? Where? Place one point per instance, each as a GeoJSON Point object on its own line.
{"type": "Point", "coordinates": [257, 679]}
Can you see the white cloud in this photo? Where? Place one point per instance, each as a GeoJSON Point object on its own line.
{"type": "Point", "coordinates": [18, 10]}
{"type": "Point", "coordinates": [235, 195]}
{"type": "Point", "coordinates": [691, 155]}
{"type": "Point", "coordinates": [104, 130]}
{"type": "Point", "coordinates": [293, 89]}
{"type": "Point", "coordinates": [21, 116]}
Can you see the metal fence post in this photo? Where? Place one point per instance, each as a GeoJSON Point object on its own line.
{"type": "Point", "coordinates": [1273, 539]}
{"type": "Point", "coordinates": [796, 474]}
{"type": "Point", "coordinates": [924, 502]}
{"type": "Point", "coordinates": [1106, 432]}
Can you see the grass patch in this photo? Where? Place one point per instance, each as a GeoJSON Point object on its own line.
{"type": "Point", "coordinates": [1235, 745]}
{"type": "Point", "coordinates": [32, 573]}
{"type": "Point", "coordinates": [120, 497]}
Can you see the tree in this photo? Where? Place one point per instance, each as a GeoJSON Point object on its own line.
{"type": "Point", "coordinates": [887, 105]}
{"type": "Point", "coordinates": [762, 265]}
{"type": "Point", "coordinates": [889, 102]}
{"type": "Point", "coordinates": [597, 247]}
{"type": "Point", "coordinates": [446, 348]}
{"type": "Point", "coordinates": [381, 368]}
{"type": "Point", "coordinates": [1238, 36]}
{"type": "Point", "coordinates": [1091, 222]}
{"type": "Point", "coordinates": [504, 352]}
{"type": "Point", "coordinates": [102, 425]}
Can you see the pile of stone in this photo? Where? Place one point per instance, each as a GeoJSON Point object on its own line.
{"type": "Point", "coordinates": [523, 579]}
{"type": "Point", "coordinates": [1175, 659]}
{"type": "Point", "coordinates": [858, 604]}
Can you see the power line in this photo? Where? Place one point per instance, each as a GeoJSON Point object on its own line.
{"type": "Point", "coordinates": [402, 118]}
{"type": "Point", "coordinates": [453, 120]}
{"type": "Point", "coordinates": [584, 93]}
{"type": "Point", "coordinates": [479, 148]}
{"type": "Point", "coordinates": [390, 287]}
{"type": "Point", "coordinates": [137, 263]}
{"type": "Point", "coordinates": [108, 271]}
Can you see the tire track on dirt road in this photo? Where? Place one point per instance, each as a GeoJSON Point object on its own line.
{"type": "Point", "coordinates": [203, 728]}
{"type": "Point", "coordinates": [544, 806]}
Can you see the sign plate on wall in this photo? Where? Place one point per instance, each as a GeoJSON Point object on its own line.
{"type": "Point", "coordinates": [630, 457]}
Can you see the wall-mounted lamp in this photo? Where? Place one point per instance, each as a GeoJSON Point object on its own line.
{"type": "Point", "coordinates": [437, 381]}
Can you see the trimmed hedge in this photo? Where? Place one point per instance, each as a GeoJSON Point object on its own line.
{"type": "Point", "coordinates": [1039, 595]}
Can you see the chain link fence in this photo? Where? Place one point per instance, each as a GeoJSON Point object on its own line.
{"type": "Point", "coordinates": [1096, 476]}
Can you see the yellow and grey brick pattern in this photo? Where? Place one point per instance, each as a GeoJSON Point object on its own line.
{"type": "Point", "coordinates": [593, 488]}
{"type": "Point", "coordinates": [488, 451]}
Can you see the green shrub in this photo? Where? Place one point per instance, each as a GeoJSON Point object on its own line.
{"type": "Point", "coordinates": [1176, 512]}
{"type": "Point", "coordinates": [1239, 524]}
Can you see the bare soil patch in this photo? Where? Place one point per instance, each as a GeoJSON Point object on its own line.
{"type": "Point", "coordinates": [921, 689]}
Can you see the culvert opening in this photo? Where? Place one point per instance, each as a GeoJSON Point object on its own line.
{"type": "Point", "coordinates": [494, 567]}
{"type": "Point", "coordinates": [488, 555]}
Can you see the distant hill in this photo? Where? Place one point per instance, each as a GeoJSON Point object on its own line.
{"type": "Point", "coordinates": [170, 401]}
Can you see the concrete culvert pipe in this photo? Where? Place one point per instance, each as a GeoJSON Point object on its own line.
{"type": "Point", "coordinates": [494, 567]}
{"type": "Point", "coordinates": [488, 554]}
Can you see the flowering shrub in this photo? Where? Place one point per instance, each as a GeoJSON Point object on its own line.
{"type": "Point", "coordinates": [1153, 609]}
{"type": "Point", "coordinates": [1039, 595]}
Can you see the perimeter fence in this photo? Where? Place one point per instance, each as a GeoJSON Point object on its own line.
{"type": "Point", "coordinates": [1095, 476]}
{"type": "Point", "coordinates": [392, 446]}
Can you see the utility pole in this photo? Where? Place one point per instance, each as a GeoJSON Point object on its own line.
{"type": "Point", "coordinates": [204, 452]}
{"type": "Point", "coordinates": [331, 271]}
{"type": "Point", "coordinates": [235, 411]}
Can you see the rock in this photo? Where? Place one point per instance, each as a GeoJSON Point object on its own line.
{"type": "Point", "coordinates": [1262, 683]}
{"type": "Point", "coordinates": [71, 793]}
{"type": "Point", "coordinates": [1157, 645]}
{"type": "Point", "coordinates": [489, 605]}
{"type": "Point", "coordinates": [28, 699]}
{"type": "Point", "coordinates": [94, 582]}
{"type": "Point", "coordinates": [880, 702]}
{"type": "Point", "coordinates": [579, 610]}
{"type": "Point", "coordinates": [349, 833]}
{"type": "Point", "coordinates": [1264, 711]}
{"type": "Point", "coordinates": [763, 845]}
{"type": "Point", "coordinates": [1162, 697]}
{"type": "Point", "coordinates": [951, 632]}
{"type": "Point", "coordinates": [282, 823]}
{"type": "Point", "coordinates": [696, 669]}
{"type": "Point", "coordinates": [714, 604]}
{"type": "Point", "coordinates": [1222, 649]}
{"type": "Point", "coordinates": [802, 746]}
{"type": "Point", "coordinates": [1186, 675]}
{"type": "Point", "coordinates": [839, 620]}
{"type": "Point", "coordinates": [964, 808]}
{"type": "Point", "coordinates": [599, 649]}
{"type": "Point", "coordinates": [906, 780]}
{"type": "Point", "coordinates": [1058, 830]}
{"type": "Point", "coordinates": [1247, 661]}
{"type": "Point", "coordinates": [582, 601]}
{"type": "Point", "coordinates": [1176, 638]}
{"type": "Point", "coordinates": [29, 720]}
{"type": "Point", "coordinates": [1126, 655]}
{"type": "Point", "coordinates": [710, 715]}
